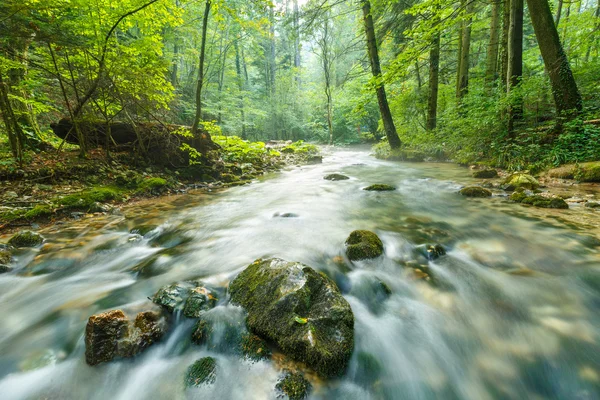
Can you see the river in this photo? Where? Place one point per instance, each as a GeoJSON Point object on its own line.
{"type": "Point", "coordinates": [513, 313]}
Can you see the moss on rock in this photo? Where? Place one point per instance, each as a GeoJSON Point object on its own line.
{"type": "Point", "coordinates": [588, 172]}
{"type": "Point", "coordinates": [254, 348]}
{"type": "Point", "coordinates": [26, 239]}
{"type": "Point", "coordinates": [294, 386]}
{"type": "Point", "coordinates": [485, 173]}
{"type": "Point", "coordinates": [518, 181]}
{"type": "Point", "coordinates": [379, 187]}
{"type": "Point", "coordinates": [539, 201]}
{"type": "Point", "coordinates": [5, 257]}
{"type": "Point", "coordinates": [336, 177]}
{"type": "Point", "coordinates": [203, 371]}
{"type": "Point", "coordinates": [85, 200]}
{"type": "Point", "coordinates": [300, 310]}
{"type": "Point", "coordinates": [362, 245]}
{"type": "Point", "coordinates": [200, 299]}
{"type": "Point", "coordinates": [475, 191]}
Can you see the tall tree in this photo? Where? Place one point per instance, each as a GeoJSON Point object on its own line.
{"type": "Point", "coordinates": [200, 83]}
{"type": "Point", "coordinates": [564, 88]}
{"type": "Point", "coordinates": [494, 44]}
{"type": "Point", "coordinates": [434, 74]}
{"type": "Point", "coordinates": [384, 107]}
{"type": "Point", "coordinates": [515, 61]}
{"type": "Point", "coordinates": [463, 75]}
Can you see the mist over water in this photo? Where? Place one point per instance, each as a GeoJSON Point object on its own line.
{"type": "Point", "coordinates": [512, 312]}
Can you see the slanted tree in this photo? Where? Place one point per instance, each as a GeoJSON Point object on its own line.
{"type": "Point", "coordinates": [564, 88]}
{"type": "Point", "coordinates": [384, 107]}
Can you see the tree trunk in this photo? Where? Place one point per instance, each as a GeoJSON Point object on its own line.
{"type": "Point", "coordinates": [15, 134]}
{"type": "Point", "coordinates": [463, 82]}
{"type": "Point", "coordinates": [240, 79]}
{"type": "Point", "coordinates": [491, 69]}
{"type": "Point", "coordinates": [504, 43]}
{"type": "Point", "coordinates": [564, 88]}
{"type": "Point", "coordinates": [558, 12]}
{"type": "Point", "coordinates": [384, 108]}
{"type": "Point", "coordinates": [297, 59]}
{"type": "Point", "coordinates": [434, 75]}
{"type": "Point", "coordinates": [200, 83]}
{"type": "Point", "coordinates": [515, 61]}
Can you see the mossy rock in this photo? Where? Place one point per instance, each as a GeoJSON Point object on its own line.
{"type": "Point", "coordinates": [202, 372]}
{"type": "Point", "coordinates": [518, 181]}
{"type": "Point", "coordinates": [38, 212]}
{"type": "Point", "coordinates": [300, 310]}
{"type": "Point", "coordinates": [588, 172]}
{"type": "Point", "coordinates": [294, 386]}
{"type": "Point", "coordinates": [539, 201]}
{"type": "Point", "coordinates": [592, 205]}
{"type": "Point", "coordinates": [26, 239]}
{"type": "Point", "coordinates": [563, 172]}
{"type": "Point", "coordinates": [171, 297]}
{"type": "Point", "coordinates": [336, 177]}
{"type": "Point", "coordinates": [5, 268]}
{"type": "Point", "coordinates": [86, 199]}
{"type": "Point", "coordinates": [379, 187]}
{"type": "Point", "coordinates": [199, 299]}
{"type": "Point", "coordinates": [431, 251]}
{"type": "Point", "coordinates": [5, 257]}
{"type": "Point", "coordinates": [255, 348]}
{"type": "Point", "coordinates": [485, 174]}
{"type": "Point", "coordinates": [153, 184]}
{"type": "Point", "coordinates": [475, 191]}
{"type": "Point", "coordinates": [362, 245]}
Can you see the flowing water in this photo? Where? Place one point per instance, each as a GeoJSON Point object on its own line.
{"type": "Point", "coordinates": [512, 312]}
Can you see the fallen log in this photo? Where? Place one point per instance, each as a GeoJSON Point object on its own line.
{"type": "Point", "coordinates": [161, 144]}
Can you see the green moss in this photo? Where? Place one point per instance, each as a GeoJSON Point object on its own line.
{"type": "Point", "coordinates": [300, 147]}
{"type": "Point", "coordinates": [255, 348]}
{"type": "Point", "coordinates": [517, 181]}
{"type": "Point", "coordinates": [26, 239]}
{"type": "Point", "coordinates": [153, 184]}
{"type": "Point", "coordinates": [335, 177]}
{"type": "Point", "coordinates": [12, 215]}
{"type": "Point", "coordinates": [295, 386]}
{"type": "Point", "coordinates": [5, 257]}
{"type": "Point", "coordinates": [539, 201]}
{"type": "Point", "coordinates": [588, 172]}
{"type": "Point", "coordinates": [362, 245]}
{"type": "Point", "coordinates": [86, 199]}
{"type": "Point", "coordinates": [200, 299]}
{"type": "Point", "coordinates": [41, 211]}
{"type": "Point", "coordinates": [475, 191]}
{"type": "Point", "coordinates": [485, 174]}
{"type": "Point", "coordinates": [276, 294]}
{"type": "Point", "coordinates": [203, 371]}
{"type": "Point", "coordinates": [202, 331]}
{"type": "Point", "coordinates": [380, 187]}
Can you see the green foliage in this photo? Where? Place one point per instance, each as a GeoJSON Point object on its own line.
{"type": "Point", "coordinates": [237, 150]}
{"type": "Point", "coordinates": [301, 148]}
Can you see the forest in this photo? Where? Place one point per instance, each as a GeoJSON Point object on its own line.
{"type": "Point", "coordinates": [466, 81]}
{"type": "Point", "coordinates": [300, 199]}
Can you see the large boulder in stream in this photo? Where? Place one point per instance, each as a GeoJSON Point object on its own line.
{"type": "Point", "coordinates": [520, 181]}
{"type": "Point", "coordinates": [475, 191]}
{"type": "Point", "coordinates": [111, 335]}
{"type": "Point", "coordinates": [191, 297]}
{"type": "Point", "coordinates": [299, 309]}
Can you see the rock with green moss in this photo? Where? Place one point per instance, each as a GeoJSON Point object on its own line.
{"type": "Point", "coordinates": [336, 177]}
{"type": "Point", "coordinates": [26, 239]}
{"type": "Point", "coordinates": [254, 348]}
{"type": "Point", "coordinates": [39, 212]}
{"type": "Point", "coordinates": [475, 191]}
{"type": "Point", "coordinates": [362, 245]}
{"type": "Point", "coordinates": [5, 256]}
{"type": "Point", "coordinates": [485, 173]}
{"type": "Point", "coordinates": [380, 187]}
{"type": "Point", "coordinates": [300, 310]}
{"type": "Point", "coordinates": [518, 181]}
{"type": "Point", "coordinates": [591, 204]}
{"type": "Point", "coordinates": [199, 300]}
{"type": "Point", "coordinates": [203, 371]}
{"type": "Point", "coordinates": [294, 386]}
{"type": "Point", "coordinates": [539, 201]}
{"type": "Point", "coordinates": [86, 199]}
{"type": "Point", "coordinates": [171, 297]}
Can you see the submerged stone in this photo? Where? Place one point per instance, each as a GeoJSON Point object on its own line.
{"type": "Point", "coordinates": [294, 386]}
{"type": "Point", "coordinates": [300, 310]}
{"type": "Point", "coordinates": [371, 291]}
{"type": "Point", "coordinates": [254, 348]}
{"type": "Point", "coordinates": [221, 330]}
{"type": "Point", "coordinates": [171, 297]}
{"type": "Point", "coordinates": [379, 187]}
{"type": "Point", "coordinates": [111, 335]}
{"type": "Point", "coordinates": [26, 239]}
{"type": "Point", "coordinates": [539, 201]}
{"type": "Point", "coordinates": [203, 371]}
{"type": "Point", "coordinates": [336, 177]}
{"type": "Point", "coordinates": [431, 251]}
{"type": "Point", "coordinates": [475, 191]}
{"type": "Point", "coordinates": [485, 173]}
{"type": "Point", "coordinates": [362, 245]}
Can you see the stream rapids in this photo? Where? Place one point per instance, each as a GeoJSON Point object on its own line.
{"type": "Point", "coordinates": [514, 313]}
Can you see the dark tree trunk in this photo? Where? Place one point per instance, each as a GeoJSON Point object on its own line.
{"type": "Point", "coordinates": [240, 79]}
{"type": "Point", "coordinates": [564, 88]}
{"type": "Point", "coordinates": [463, 81]}
{"type": "Point", "coordinates": [434, 75]}
{"type": "Point", "coordinates": [384, 108]}
{"type": "Point", "coordinates": [504, 43]}
{"type": "Point", "coordinates": [515, 61]}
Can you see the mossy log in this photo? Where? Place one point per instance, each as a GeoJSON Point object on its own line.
{"type": "Point", "coordinates": [159, 143]}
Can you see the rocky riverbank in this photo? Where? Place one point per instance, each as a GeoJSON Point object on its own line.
{"type": "Point", "coordinates": [53, 186]}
